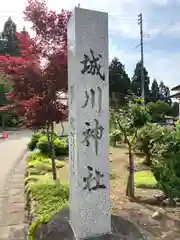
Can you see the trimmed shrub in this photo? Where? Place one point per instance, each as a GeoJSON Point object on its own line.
{"type": "Point", "coordinates": [44, 145]}
{"type": "Point", "coordinates": [40, 141]}
{"type": "Point", "coordinates": [34, 140]}
{"type": "Point", "coordinates": [166, 169]}
{"type": "Point", "coordinates": [61, 146]}
{"type": "Point", "coordinates": [148, 138]}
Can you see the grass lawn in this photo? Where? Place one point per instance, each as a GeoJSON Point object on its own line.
{"type": "Point", "coordinates": [50, 196]}
{"type": "Point", "coordinates": [145, 179]}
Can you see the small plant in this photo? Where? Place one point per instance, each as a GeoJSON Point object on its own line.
{"type": "Point", "coordinates": [61, 146]}
{"type": "Point", "coordinates": [43, 145]}
{"type": "Point", "coordinates": [34, 140]}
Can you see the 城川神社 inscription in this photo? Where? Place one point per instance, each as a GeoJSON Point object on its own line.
{"type": "Point", "coordinates": [89, 109]}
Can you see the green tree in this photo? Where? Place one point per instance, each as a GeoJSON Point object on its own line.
{"type": "Point", "coordinates": [9, 39]}
{"type": "Point", "coordinates": [4, 89]}
{"type": "Point", "coordinates": [128, 120]}
{"type": "Point", "coordinates": [174, 109]}
{"type": "Point", "coordinates": [136, 82]}
{"type": "Point", "coordinates": [154, 95]}
{"type": "Point", "coordinates": [159, 110]}
{"type": "Point", "coordinates": [119, 83]}
{"type": "Point", "coordinates": [164, 93]}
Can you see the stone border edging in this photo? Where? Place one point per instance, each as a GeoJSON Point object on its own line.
{"type": "Point", "coordinates": [6, 186]}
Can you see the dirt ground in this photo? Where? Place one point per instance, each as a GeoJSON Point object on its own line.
{"type": "Point", "coordinates": [135, 219]}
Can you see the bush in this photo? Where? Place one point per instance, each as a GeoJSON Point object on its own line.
{"type": "Point", "coordinates": [167, 167]}
{"type": "Point", "coordinates": [147, 139]}
{"type": "Point", "coordinates": [34, 140]}
{"type": "Point", "coordinates": [61, 146]}
{"type": "Point", "coordinates": [40, 141]}
{"type": "Point", "coordinates": [115, 136]}
{"type": "Point", "coordinates": [44, 145]}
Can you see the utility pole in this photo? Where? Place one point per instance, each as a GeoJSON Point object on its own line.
{"type": "Point", "coordinates": [140, 22]}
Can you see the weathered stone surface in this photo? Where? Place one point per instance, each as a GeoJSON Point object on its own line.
{"type": "Point", "coordinates": [90, 211]}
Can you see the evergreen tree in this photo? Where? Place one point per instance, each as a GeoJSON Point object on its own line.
{"type": "Point", "coordinates": [136, 82]}
{"type": "Point", "coordinates": [119, 83]}
{"type": "Point", "coordinates": [9, 39]}
{"type": "Point", "coordinates": [174, 109]}
{"type": "Point", "coordinates": [164, 93]}
{"type": "Point", "coordinates": [154, 95]}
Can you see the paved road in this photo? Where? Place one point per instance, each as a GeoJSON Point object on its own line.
{"type": "Point", "coordinates": [12, 185]}
{"type": "Point", "coordinates": [10, 150]}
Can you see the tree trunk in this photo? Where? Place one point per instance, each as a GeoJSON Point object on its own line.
{"type": "Point", "coordinates": [130, 183]}
{"type": "Point", "coordinates": [148, 160]}
{"type": "Point", "coordinates": [62, 126]}
{"type": "Point", "coordinates": [50, 133]}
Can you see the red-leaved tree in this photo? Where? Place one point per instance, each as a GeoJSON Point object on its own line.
{"type": "Point", "coordinates": [40, 73]}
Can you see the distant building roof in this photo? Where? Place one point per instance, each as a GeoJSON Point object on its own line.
{"type": "Point", "coordinates": [176, 95]}
{"type": "Point", "coordinates": [176, 88]}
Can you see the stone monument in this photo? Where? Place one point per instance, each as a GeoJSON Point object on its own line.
{"type": "Point", "coordinates": [88, 84]}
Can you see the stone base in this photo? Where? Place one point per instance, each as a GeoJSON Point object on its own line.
{"type": "Point", "coordinates": [60, 229]}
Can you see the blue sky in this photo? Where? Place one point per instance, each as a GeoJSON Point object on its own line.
{"type": "Point", "coordinates": [161, 22]}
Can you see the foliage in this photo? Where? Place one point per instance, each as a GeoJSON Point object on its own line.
{"type": "Point", "coordinates": [174, 109]}
{"type": "Point", "coordinates": [164, 93]}
{"type": "Point", "coordinates": [128, 120]}
{"type": "Point", "coordinates": [145, 179]}
{"type": "Point", "coordinates": [147, 137]}
{"type": "Point", "coordinates": [159, 110]}
{"type": "Point", "coordinates": [34, 140]}
{"type": "Point", "coordinates": [43, 145]}
{"type": "Point", "coordinates": [167, 167]}
{"type": "Point", "coordinates": [61, 146]}
{"type": "Point", "coordinates": [37, 163]}
{"type": "Point", "coordinates": [159, 92]}
{"type": "Point", "coordinates": [136, 82]}
{"type": "Point", "coordinates": [9, 41]}
{"type": "Point", "coordinates": [115, 137]}
{"type": "Point", "coordinates": [133, 116]}
{"type": "Point", "coordinates": [119, 83]}
{"type": "Point", "coordinates": [40, 141]}
{"type": "Point", "coordinates": [51, 197]}
{"type": "Point", "coordinates": [155, 94]}
{"type": "Point", "coordinates": [39, 100]}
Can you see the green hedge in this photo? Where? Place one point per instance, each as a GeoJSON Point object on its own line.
{"type": "Point", "coordinates": [40, 141]}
